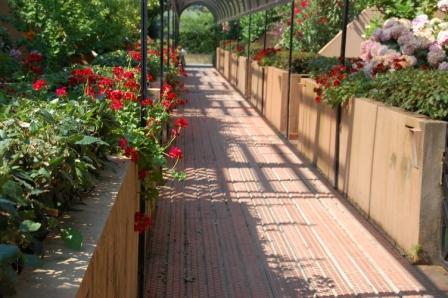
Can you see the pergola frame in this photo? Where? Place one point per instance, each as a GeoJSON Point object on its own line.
{"type": "Point", "coordinates": [223, 10]}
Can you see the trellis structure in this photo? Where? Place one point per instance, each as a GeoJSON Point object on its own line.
{"type": "Point", "coordinates": [222, 10]}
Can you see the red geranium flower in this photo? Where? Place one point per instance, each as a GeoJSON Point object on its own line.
{"type": "Point", "coordinates": [118, 72]}
{"type": "Point", "coordinates": [132, 153]}
{"type": "Point", "coordinates": [171, 96]}
{"type": "Point", "coordinates": [116, 95]}
{"type": "Point", "coordinates": [182, 122]}
{"type": "Point", "coordinates": [129, 96]}
{"type": "Point", "coordinates": [39, 84]}
{"type": "Point", "coordinates": [131, 84]}
{"type": "Point", "coordinates": [123, 143]}
{"type": "Point", "coordinates": [135, 55]}
{"type": "Point", "coordinates": [147, 102]}
{"type": "Point", "coordinates": [116, 105]}
{"type": "Point", "coordinates": [62, 91]}
{"type": "Point", "coordinates": [175, 153]}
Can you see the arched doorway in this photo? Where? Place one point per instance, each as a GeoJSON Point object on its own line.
{"type": "Point", "coordinates": [199, 34]}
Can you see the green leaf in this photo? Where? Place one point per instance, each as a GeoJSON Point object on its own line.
{"type": "Point", "coordinates": [72, 238]}
{"type": "Point", "coordinates": [29, 226]}
{"type": "Point", "coordinates": [12, 190]}
{"type": "Point", "coordinates": [179, 176]}
{"type": "Point", "coordinates": [89, 140]}
{"type": "Point", "coordinates": [7, 205]}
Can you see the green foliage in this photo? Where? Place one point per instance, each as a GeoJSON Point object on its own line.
{"type": "Point", "coordinates": [119, 57]}
{"type": "Point", "coordinates": [300, 61]}
{"type": "Point", "coordinates": [258, 24]}
{"type": "Point", "coordinates": [66, 28]}
{"type": "Point", "coordinates": [321, 64]}
{"type": "Point", "coordinates": [404, 8]}
{"type": "Point", "coordinates": [418, 91]}
{"type": "Point", "coordinates": [198, 32]}
{"type": "Point", "coordinates": [317, 24]}
{"type": "Point", "coordinates": [9, 66]}
{"type": "Point", "coordinates": [422, 92]}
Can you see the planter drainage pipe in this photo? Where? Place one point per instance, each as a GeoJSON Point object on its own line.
{"type": "Point", "coordinates": [291, 35]}
{"type": "Point", "coordinates": [143, 96]}
{"type": "Point", "coordinates": [264, 48]}
{"type": "Point", "coordinates": [339, 108]}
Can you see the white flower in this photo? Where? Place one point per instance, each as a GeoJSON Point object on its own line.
{"type": "Point", "coordinates": [420, 22]}
{"type": "Point", "coordinates": [443, 5]}
{"type": "Point", "coordinates": [442, 38]}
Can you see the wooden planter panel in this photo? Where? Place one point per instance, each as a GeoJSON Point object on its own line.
{"type": "Point", "coordinates": [107, 264]}
{"type": "Point", "coordinates": [390, 164]}
{"type": "Point", "coordinates": [256, 86]}
{"type": "Point", "coordinates": [242, 76]}
{"type": "Point", "coordinates": [233, 69]}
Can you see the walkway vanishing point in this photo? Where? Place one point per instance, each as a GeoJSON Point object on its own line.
{"type": "Point", "coordinates": [255, 220]}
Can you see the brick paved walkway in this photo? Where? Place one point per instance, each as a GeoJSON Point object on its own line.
{"type": "Point", "coordinates": [253, 220]}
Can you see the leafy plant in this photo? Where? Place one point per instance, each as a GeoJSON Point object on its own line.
{"type": "Point", "coordinates": [68, 28]}
{"type": "Point", "coordinates": [420, 91]}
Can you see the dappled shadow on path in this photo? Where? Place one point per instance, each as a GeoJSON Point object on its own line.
{"type": "Point", "coordinates": [254, 220]}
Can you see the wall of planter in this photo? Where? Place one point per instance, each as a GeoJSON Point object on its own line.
{"type": "Point", "coordinates": [107, 264]}
{"type": "Point", "coordinates": [390, 159]}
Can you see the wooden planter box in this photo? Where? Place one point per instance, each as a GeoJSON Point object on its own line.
{"type": "Point", "coordinates": [242, 76]}
{"type": "Point", "coordinates": [390, 164]}
{"type": "Point", "coordinates": [226, 65]}
{"type": "Point", "coordinates": [276, 100]}
{"type": "Point", "coordinates": [107, 264]}
{"type": "Point", "coordinates": [256, 85]}
{"type": "Point", "coordinates": [218, 59]}
{"type": "Point", "coordinates": [233, 72]}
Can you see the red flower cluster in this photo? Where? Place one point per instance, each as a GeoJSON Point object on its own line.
{"type": "Point", "coordinates": [175, 153]}
{"type": "Point", "coordinates": [129, 151]}
{"type": "Point", "coordinates": [39, 85]}
{"type": "Point", "coordinates": [61, 91]}
{"type": "Point", "coordinates": [170, 99]}
{"type": "Point", "coordinates": [33, 62]}
{"type": "Point", "coordinates": [82, 76]}
{"type": "Point", "coordinates": [135, 55]}
{"type": "Point", "coordinates": [147, 102]}
{"type": "Point", "coordinates": [335, 76]}
{"type": "Point", "coordinates": [179, 124]}
{"type": "Point", "coordinates": [265, 53]}
{"type": "Point", "coordinates": [182, 122]}
{"type": "Point", "coordinates": [142, 222]}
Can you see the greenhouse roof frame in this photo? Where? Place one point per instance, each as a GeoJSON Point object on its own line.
{"type": "Point", "coordinates": [227, 10]}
